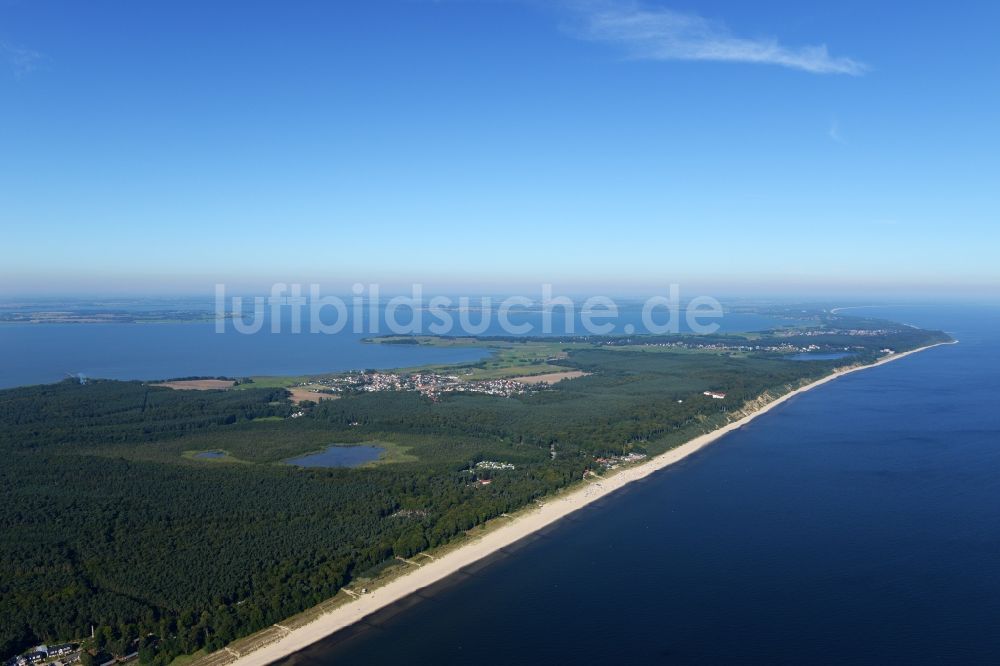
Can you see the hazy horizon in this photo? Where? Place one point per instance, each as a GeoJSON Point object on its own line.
{"type": "Point", "coordinates": [901, 294]}
{"type": "Point", "coordinates": [610, 145]}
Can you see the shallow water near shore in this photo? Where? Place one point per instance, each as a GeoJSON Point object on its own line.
{"type": "Point", "coordinates": [42, 353]}
{"type": "Point", "coordinates": [856, 523]}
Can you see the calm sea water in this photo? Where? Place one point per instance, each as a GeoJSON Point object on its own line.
{"type": "Point", "coordinates": [858, 523]}
{"type": "Point", "coordinates": [41, 353]}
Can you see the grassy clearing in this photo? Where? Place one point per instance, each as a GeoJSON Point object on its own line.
{"type": "Point", "coordinates": [189, 659]}
{"type": "Point", "coordinates": [394, 453]}
{"type": "Point", "coordinates": [428, 341]}
{"type": "Point", "coordinates": [508, 359]}
{"type": "Point", "coordinates": [277, 381]}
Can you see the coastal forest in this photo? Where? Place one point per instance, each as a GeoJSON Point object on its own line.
{"type": "Point", "coordinates": [110, 521]}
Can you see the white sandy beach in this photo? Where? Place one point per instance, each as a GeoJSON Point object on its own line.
{"type": "Point", "coordinates": [523, 525]}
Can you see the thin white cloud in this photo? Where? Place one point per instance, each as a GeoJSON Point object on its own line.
{"type": "Point", "coordinates": [664, 34]}
{"type": "Point", "coordinates": [21, 61]}
{"type": "Point", "coordinates": [834, 132]}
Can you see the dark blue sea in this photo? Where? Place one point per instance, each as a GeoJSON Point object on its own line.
{"type": "Point", "coordinates": [858, 523]}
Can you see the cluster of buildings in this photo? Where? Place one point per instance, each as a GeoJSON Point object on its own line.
{"type": "Point", "coordinates": [722, 346]}
{"type": "Point", "coordinates": [488, 465]}
{"type": "Point", "coordinates": [427, 383]}
{"type": "Point", "coordinates": [433, 385]}
{"type": "Point", "coordinates": [492, 464]}
{"type": "Point", "coordinates": [812, 332]}
{"type": "Point", "coordinates": [410, 513]}
{"type": "Point", "coordinates": [44, 653]}
{"type": "Point", "coordinates": [612, 462]}
{"type": "Point", "coordinates": [781, 348]}
{"type": "Point", "coordinates": [785, 348]}
{"type": "Point", "coordinates": [501, 387]}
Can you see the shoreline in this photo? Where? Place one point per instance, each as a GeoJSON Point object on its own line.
{"type": "Point", "coordinates": [548, 512]}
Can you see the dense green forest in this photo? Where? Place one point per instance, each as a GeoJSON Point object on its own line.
{"type": "Point", "coordinates": [106, 521]}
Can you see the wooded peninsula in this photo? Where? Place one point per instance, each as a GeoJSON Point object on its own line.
{"type": "Point", "coordinates": [120, 532]}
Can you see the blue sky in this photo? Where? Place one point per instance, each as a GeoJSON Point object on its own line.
{"type": "Point", "coordinates": [770, 146]}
